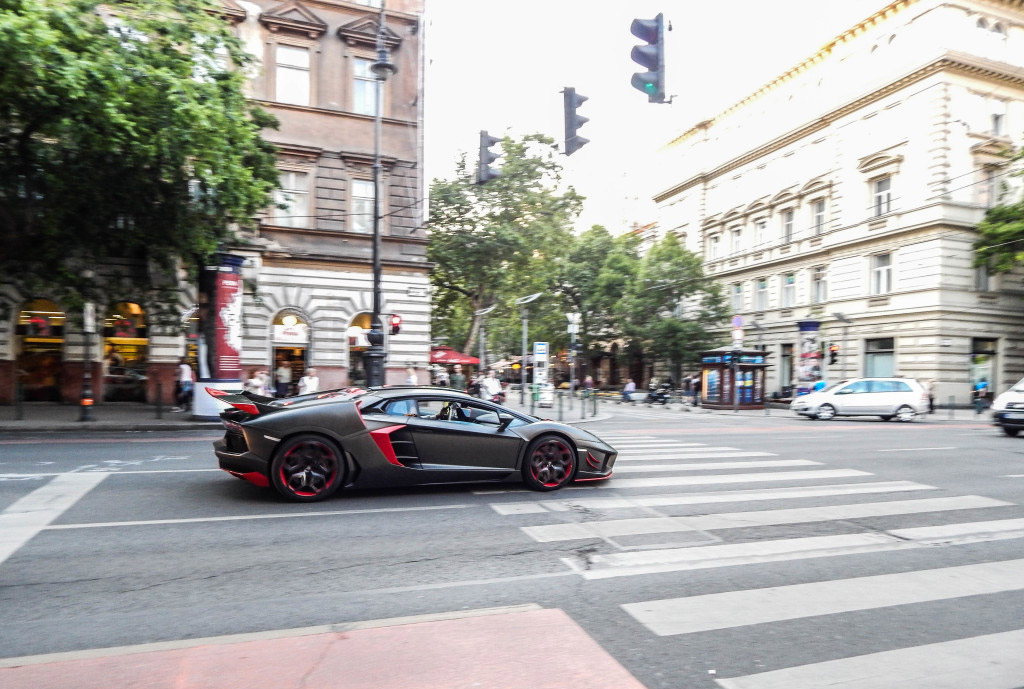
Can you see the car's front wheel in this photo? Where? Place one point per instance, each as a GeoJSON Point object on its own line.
{"type": "Point", "coordinates": [906, 413]}
{"type": "Point", "coordinates": [1011, 431]}
{"type": "Point", "coordinates": [826, 412]}
{"type": "Point", "coordinates": [550, 463]}
{"type": "Point", "coordinates": [307, 468]}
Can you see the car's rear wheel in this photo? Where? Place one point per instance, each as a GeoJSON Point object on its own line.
{"type": "Point", "coordinates": [906, 413]}
{"type": "Point", "coordinates": [1011, 431]}
{"type": "Point", "coordinates": [550, 463]}
{"type": "Point", "coordinates": [307, 468]}
{"type": "Point", "coordinates": [886, 417]}
{"type": "Point", "coordinates": [825, 412]}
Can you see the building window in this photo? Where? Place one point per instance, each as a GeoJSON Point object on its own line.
{"type": "Point", "coordinates": [788, 290]}
{"type": "Point", "coordinates": [883, 195]}
{"type": "Point", "coordinates": [988, 188]}
{"type": "Point", "coordinates": [819, 285]}
{"type": "Point", "coordinates": [737, 297]}
{"type": "Point", "coordinates": [292, 77]}
{"type": "Point", "coordinates": [292, 200]}
{"type": "Point", "coordinates": [879, 357]}
{"type": "Point", "coordinates": [982, 279]}
{"type": "Point", "coordinates": [361, 211]}
{"type": "Point", "coordinates": [736, 237]}
{"type": "Point", "coordinates": [818, 216]}
{"type": "Point", "coordinates": [761, 233]}
{"type": "Point", "coordinates": [761, 295]}
{"type": "Point", "coordinates": [787, 226]}
{"type": "Point", "coordinates": [881, 274]}
{"type": "Point", "coordinates": [997, 124]}
{"type": "Point", "coordinates": [364, 88]}
{"type": "Point", "coordinates": [713, 247]}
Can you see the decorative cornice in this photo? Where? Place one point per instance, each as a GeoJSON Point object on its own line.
{"type": "Point", "coordinates": [293, 17]}
{"type": "Point", "coordinates": [957, 63]}
{"type": "Point", "coordinates": [274, 105]}
{"type": "Point", "coordinates": [363, 31]}
{"type": "Point", "coordinates": [229, 9]}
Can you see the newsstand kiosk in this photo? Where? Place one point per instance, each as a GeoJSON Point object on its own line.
{"type": "Point", "coordinates": [732, 378]}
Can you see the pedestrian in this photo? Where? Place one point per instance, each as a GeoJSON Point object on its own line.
{"type": "Point", "coordinates": [183, 386]}
{"type": "Point", "coordinates": [309, 382]}
{"type": "Point", "coordinates": [442, 378]}
{"type": "Point", "coordinates": [474, 386]}
{"type": "Point", "coordinates": [929, 388]}
{"type": "Point", "coordinates": [254, 383]}
{"type": "Point", "coordinates": [490, 388]}
{"type": "Point", "coordinates": [458, 379]}
{"type": "Point", "coordinates": [283, 378]}
{"type": "Point", "coordinates": [588, 386]}
{"type": "Point", "coordinates": [627, 390]}
{"type": "Point", "coordinates": [696, 391]}
{"type": "Point", "coordinates": [818, 386]}
{"type": "Point", "coordinates": [410, 376]}
{"type": "Point", "coordinates": [264, 377]}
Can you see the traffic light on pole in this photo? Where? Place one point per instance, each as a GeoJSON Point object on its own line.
{"type": "Point", "coordinates": [573, 121]}
{"type": "Point", "coordinates": [396, 323]}
{"type": "Point", "coordinates": [651, 56]}
{"type": "Point", "coordinates": [484, 172]}
{"type": "Point", "coordinates": [833, 353]}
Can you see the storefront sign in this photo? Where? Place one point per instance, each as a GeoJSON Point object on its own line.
{"type": "Point", "coordinates": [292, 334]}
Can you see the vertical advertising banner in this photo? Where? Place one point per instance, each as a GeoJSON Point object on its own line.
{"type": "Point", "coordinates": [809, 365]}
{"type": "Point", "coordinates": [540, 362]}
{"type": "Point", "coordinates": [227, 314]}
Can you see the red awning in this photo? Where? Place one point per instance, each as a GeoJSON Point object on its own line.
{"type": "Point", "coordinates": [447, 355]}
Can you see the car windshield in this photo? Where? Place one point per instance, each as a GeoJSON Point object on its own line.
{"type": "Point", "coordinates": [1019, 387]}
{"type": "Point", "coordinates": [832, 387]}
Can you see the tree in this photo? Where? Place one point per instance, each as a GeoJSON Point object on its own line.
{"type": "Point", "coordinates": [671, 308]}
{"type": "Point", "coordinates": [1000, 243]}
{"type": "Point", "coordinates": [492, 243]}
{"type": "Point", "coordinates": [122, 136]}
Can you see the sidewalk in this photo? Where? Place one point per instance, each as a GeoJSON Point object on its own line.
{"type": "Point", "coordinates": [40, 417]}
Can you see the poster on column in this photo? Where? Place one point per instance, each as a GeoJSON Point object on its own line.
{"type": "Point", "coordinates": [809, 365]}
{"type": "Point", "coordinates": [540, 362]}
{"type": "Point", "coordinates": [228, 334]}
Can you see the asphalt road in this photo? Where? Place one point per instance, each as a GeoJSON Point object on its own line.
{"type": "Point", "coordinates": [728, 551]}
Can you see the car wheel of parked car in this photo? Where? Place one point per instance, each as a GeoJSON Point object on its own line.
{"type": "Point", "coordinates": [1011, 431]}
{"type": "Point", "coordinates": [826, 412]}
{"type": "Point", "coordinates": [307, 468]}
{"type": "Point", "coordinates": [906, 413]}
{"type": "Point", "coordinates": [886, 417]}
{"type": "Point", "coordinates": [550, 463]}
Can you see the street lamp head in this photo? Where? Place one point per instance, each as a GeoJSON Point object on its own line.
{"type": "Point", "coordinates": [527, 300]}
{"type": "Point", "coordinates": [841, 317]}
{"type": "Point", "coordinates": [382, 68]}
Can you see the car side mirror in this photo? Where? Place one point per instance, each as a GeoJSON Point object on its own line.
{"type": "Point", "coordinates": [505, 420]}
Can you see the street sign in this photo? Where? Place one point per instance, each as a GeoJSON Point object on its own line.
{"type": "Point", "coordinates": [737, 321]}
{"type": "Point", "coordinates": [89, 317]}
{"type": "Point", "coordinates": [573, 329]}
{"type": "Point", "coordinates": [573, 317]}
{"type": "Point", "coordinates": [737, 336]}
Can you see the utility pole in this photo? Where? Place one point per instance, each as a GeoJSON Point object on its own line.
{"type": "Point", "coordinates": [525, 313]}
{"type": "Point", "coordinates": [846, 351]}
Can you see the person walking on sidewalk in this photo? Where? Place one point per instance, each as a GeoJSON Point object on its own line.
{"type": "Point", "coordinates": [283, 377]}
{"type": "Point", "coordinates": [309, 382]}
{"type": "Point", "coordinates": [183, 386]}
{"type": "Point", "coordinates": [628, 390]}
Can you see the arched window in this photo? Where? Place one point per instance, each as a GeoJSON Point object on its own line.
{"type": "Point", "coordinates": [41, 330]}
{"type": "Point", "coordinates": [982, 23]}
{"type": "Point", "coordinates": [999, 29]}
{"type": "Point", "coordinates": [357, 346]}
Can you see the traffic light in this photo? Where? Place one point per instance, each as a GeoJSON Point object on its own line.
{"type": "Point", "coordinates": [573, 121]}
{"type": "Point", "coordinates": [651, 56]}
{"type": "Point", "coordinates": [396, 323]}
{"type": "Point", "coordinates": [484, 172]}
{"type": "Point", "coordinates": [833, 353]}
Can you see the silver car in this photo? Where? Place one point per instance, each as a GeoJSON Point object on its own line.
{"type": "Point", "coordinates": [900, 398]}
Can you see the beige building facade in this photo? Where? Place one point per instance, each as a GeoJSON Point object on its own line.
{"type": "Point", "coordinates": [847, 192]}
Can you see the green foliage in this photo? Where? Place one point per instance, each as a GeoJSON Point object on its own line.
{"type": "Point", "coordinates": [123, 136]}
{"type": "Point", "coordinates": [1000, 243]}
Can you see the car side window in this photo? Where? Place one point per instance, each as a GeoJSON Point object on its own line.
{"type": "Point", "coordinates": [855, 388]}
{"type": "Point", "coordinates": [900, 386]}
{"type": "Point", "coordinates": [401, 408]}
{"type": "Point", "coordinates": [431, 409]}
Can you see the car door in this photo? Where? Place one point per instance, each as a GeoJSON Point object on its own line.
{"type": "Point", "coordinates": [459, 435]}
{"type": "Point", "coordinates": [852, 399]}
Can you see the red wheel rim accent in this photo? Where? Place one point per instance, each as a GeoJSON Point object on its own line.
{"type": "Point", "coordinates": [309, 468]}
{"type": "Point", "coordinates": [551, 463]}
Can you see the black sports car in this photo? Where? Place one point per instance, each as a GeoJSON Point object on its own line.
{"type": "Point", "coordinates": [309, 446]}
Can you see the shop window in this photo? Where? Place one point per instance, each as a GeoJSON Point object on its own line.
{"type": "Point", "coordinates": [358, 345]}
{"type": "Point", "coordinates": [41, 329]}
{"type": "Point", "coordinates": [880, 357]}
{"type": "Point", "coordinates": [125, 353]}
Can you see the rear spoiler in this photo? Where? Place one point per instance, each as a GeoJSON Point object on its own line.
{"type": "Point", "coordinates": [251, 404]}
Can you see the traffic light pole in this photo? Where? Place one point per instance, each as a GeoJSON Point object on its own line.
{"type": "Point", "coordinates": [525, 313]}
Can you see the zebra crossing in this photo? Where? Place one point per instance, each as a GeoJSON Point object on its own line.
{"type": "Point", "coordinates": [637, 534]}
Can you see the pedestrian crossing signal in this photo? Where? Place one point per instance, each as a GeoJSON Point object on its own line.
{"type": "Point", "coordinates": [396, 323]}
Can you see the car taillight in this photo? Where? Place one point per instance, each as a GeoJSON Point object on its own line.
{"type": "Point", "coordinates": [232, 426]}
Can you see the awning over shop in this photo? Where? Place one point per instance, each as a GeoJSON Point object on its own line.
{"type": "Point", "coordinates": [447, 355]}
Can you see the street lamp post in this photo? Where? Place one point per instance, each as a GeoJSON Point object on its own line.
{"type": "Point", "coordinates": [525, 313]}
{"type": "Point", "coordinates": [88, 330]}
{"type": "Point", "coordinates": [846, 327]}
{"type": "Point", "coordinates": [483, 333]}
{"type": "Point", "coordinates": [382, 69]}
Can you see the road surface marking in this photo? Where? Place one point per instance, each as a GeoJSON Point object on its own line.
{"type": "Point", "coordinates": [32, 513]}
{"type": "Point", "coordinates": [915, 449]}
{"type": "Point", "coordinates": [688, 615]}
{"type": "Point", "coordinates": [757, 477]}
{"type": "Point", "coordinates": [246, 517]}
{"type": "Point", "coordinates": [1005, 528]}
{"type": "Point", "coordinates": [647, 468]}
{"type": "Point", "coordinates": [993, 661]}
{"type": "Point", "coordinates": [704, 498]}
{"type": "Point", "coordinates": [696, 454]}
{"type": "Point", "coordinates": [741, 520]}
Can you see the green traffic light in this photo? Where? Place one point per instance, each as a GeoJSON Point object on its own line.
{"type": "Point", "coordinates": [650, 88]}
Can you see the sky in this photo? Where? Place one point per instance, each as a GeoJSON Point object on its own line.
{"type": "Point", "coordinates": [501, 67]}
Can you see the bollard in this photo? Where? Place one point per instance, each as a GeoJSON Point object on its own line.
{"type": "Point", "coordinates": [583, 405]}
{"type": "Point", "coordinates": [951, 410]}
{"type": "Point", "coordinates": [19, 397]}
{"type": "Point", "coordinates": [767, 410]}
{"type": "Point", "coordinates": [595, 404]}
{"type": "Point", "coordinates": [533, 402]}
{"type": "Point", "coordinates": [159, 400]}
{"type": "Point", "coordinates": [560, 396]}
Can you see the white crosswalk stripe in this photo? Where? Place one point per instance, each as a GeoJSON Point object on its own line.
{"type": "Point", "coordinates": [646, 527]}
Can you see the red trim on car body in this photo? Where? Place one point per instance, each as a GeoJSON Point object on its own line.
{"type": "Point", "coordinates": [382, 436]}
{"type": "Point", "coordinates": [598, 478]}
{"type": "Point", "coordinates": [214, 392]}
{"type": "Point", "coordinates": [253, 477]}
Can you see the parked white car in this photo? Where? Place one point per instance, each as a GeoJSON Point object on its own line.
{"type": "Point", "coordinates": [1008, 410]}
{"type": "Point", "coordinates": [900, 398]}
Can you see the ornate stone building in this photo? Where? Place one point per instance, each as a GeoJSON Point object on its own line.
{"type": "Point", "coordinates": [847, 193]}
{"type": "Point", "coordinates": [307, 270]}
